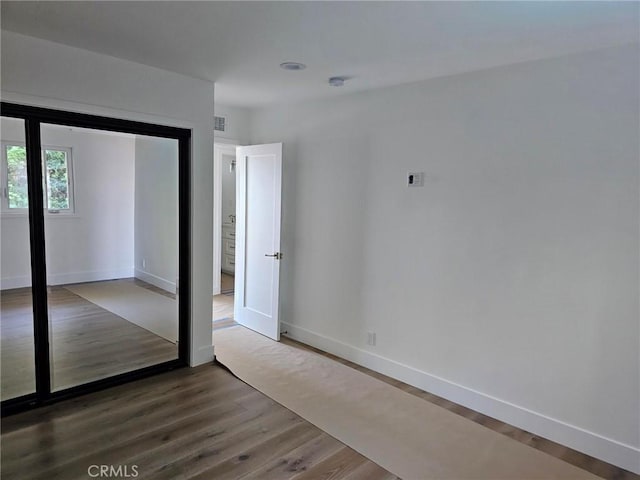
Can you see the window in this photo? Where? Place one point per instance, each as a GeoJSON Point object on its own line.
{"type": "Point", "coordinates": [16, 166]}
{"type": "Point", "coordinates": [56, 173]}
{"type": "Point", "coordinates": [57, 179]}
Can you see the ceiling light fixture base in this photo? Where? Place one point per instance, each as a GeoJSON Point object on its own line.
{"type": "Point", "coordinates": [293, 66]}
{"type": "Point", "coordinates": [337, 81]}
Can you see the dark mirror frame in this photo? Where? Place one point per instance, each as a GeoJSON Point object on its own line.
{"type": "Point", "coordinates": [33, 117]}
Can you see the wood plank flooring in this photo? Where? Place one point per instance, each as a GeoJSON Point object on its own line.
{"type": "Point", "coordinates": [580, 460]}
{"type": "Point", "coordinates": [226, 283]}
{"type": "Point", "coordinates": [200, 423]}
{"type": "Point", "coordinates": [87, 342]}
{"type": "Point", "coordinates": [222, 306]}
{"type": "Point", "coordinates": [17, 373]}
{"type": "Point", "coordinates": [223, 303]}
{"type": "Point", "coordinates": [193, 410]}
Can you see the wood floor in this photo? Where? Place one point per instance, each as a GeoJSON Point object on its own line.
{"type": "Point", "coordinates": [226, 283]}
{"type": "Point", "coordinates": [580, 460]}
{"type": "Point", "coordinates": [222, 306]}
{"type": "Point", "coordinates": [223, 303]}
{"type": "Point", "coordinates": [199, 423]}
{"type": "Point", "coordinates": [87, 342]}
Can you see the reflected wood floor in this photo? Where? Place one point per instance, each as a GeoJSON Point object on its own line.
{"type": "Point", "coordinates": [200, 423]}
{"type": "Point", "coordinates": [87, 342]}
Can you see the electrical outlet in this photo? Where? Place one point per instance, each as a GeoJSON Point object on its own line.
{"type": "Point", "coordinates": [371, 338]}
{"type": "Point", "coordinates": [415, 179]}
{"type": "Point", "coordinates": [144, 263]}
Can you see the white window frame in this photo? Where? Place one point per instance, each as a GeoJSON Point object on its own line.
{"type": "Point", "coordinates": [25, 211]}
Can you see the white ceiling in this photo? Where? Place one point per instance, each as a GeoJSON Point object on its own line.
{"type": "Point", "coordinates": [239, 45]}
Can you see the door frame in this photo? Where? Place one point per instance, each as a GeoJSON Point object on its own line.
{"type": "Point", "coordinates": [220, 146]}
{"type": "Point", "coordinates": [33, 117]}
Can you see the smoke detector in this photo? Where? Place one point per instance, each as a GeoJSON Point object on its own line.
{"type": "Point", "coordinates": [293, 66]}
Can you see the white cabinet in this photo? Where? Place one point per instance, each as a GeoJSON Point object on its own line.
{"type": "Point", "coordinates": [228, 248]}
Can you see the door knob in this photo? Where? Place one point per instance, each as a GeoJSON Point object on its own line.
{"type": "Point", "coordinates": [276, 255]}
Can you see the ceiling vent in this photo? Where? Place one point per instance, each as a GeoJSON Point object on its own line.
{"type": "Point", "coordinates": [219, 123]}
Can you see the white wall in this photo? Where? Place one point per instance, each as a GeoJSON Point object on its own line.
{"type": "Point", "coordinates": [79, 80]}
{"type": "Point", "coordinates": [96, 241]}
{"type": "Point", "coordinates": [156, 211]}
{"type": "Point", "coordinates": [238, 124]}
{"type": "Point", "coordinates": [508, 283]}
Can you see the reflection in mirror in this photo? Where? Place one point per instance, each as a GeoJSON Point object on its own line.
{"type": "Point", "coordinates": [16, 310]}
{"type": "Point", "coordinates": [111, 230]}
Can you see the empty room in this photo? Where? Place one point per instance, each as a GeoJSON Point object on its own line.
{"type": "Point", "coordinates": [312, 240]}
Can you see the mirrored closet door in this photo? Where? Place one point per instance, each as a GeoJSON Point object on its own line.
{"type": "Point", "coordinates": [96, 210]}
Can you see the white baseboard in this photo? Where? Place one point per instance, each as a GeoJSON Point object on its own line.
{"type": "Point", "coordinates": [155, 280]}
{"type": "Point", "coordinates": [7, 283]}
{"type": "Point", "coordinates": [606, 449]}
{"type": "Point", "coordinates": [67, 278]}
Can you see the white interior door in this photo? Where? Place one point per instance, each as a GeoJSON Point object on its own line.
{"type": "Point", "coordinates": [258, 256]}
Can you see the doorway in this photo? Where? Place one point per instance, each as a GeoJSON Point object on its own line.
{"type": "Point", "coordinates": [247, 217]}
{"type": "Point", "coordinates": [224, 234]}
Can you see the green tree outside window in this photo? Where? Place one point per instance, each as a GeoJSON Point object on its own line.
{"type": "Point", "coordinates": [57, 179]}
{"type": "Point", "coordinates": [56, 171]}
{"type": "Point", "coordinates": [17, 176]}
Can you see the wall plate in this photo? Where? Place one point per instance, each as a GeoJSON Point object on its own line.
{"type": "Point", "coordinates": [415, 179]}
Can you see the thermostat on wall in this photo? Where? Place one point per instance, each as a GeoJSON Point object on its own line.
{"type": "Point", "coordinates": [415, 179]}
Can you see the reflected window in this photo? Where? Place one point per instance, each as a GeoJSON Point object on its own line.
{"type": "Point", "coordinates": [15, 164]}
{"type": "Point", "coordinates": [57, 178]}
